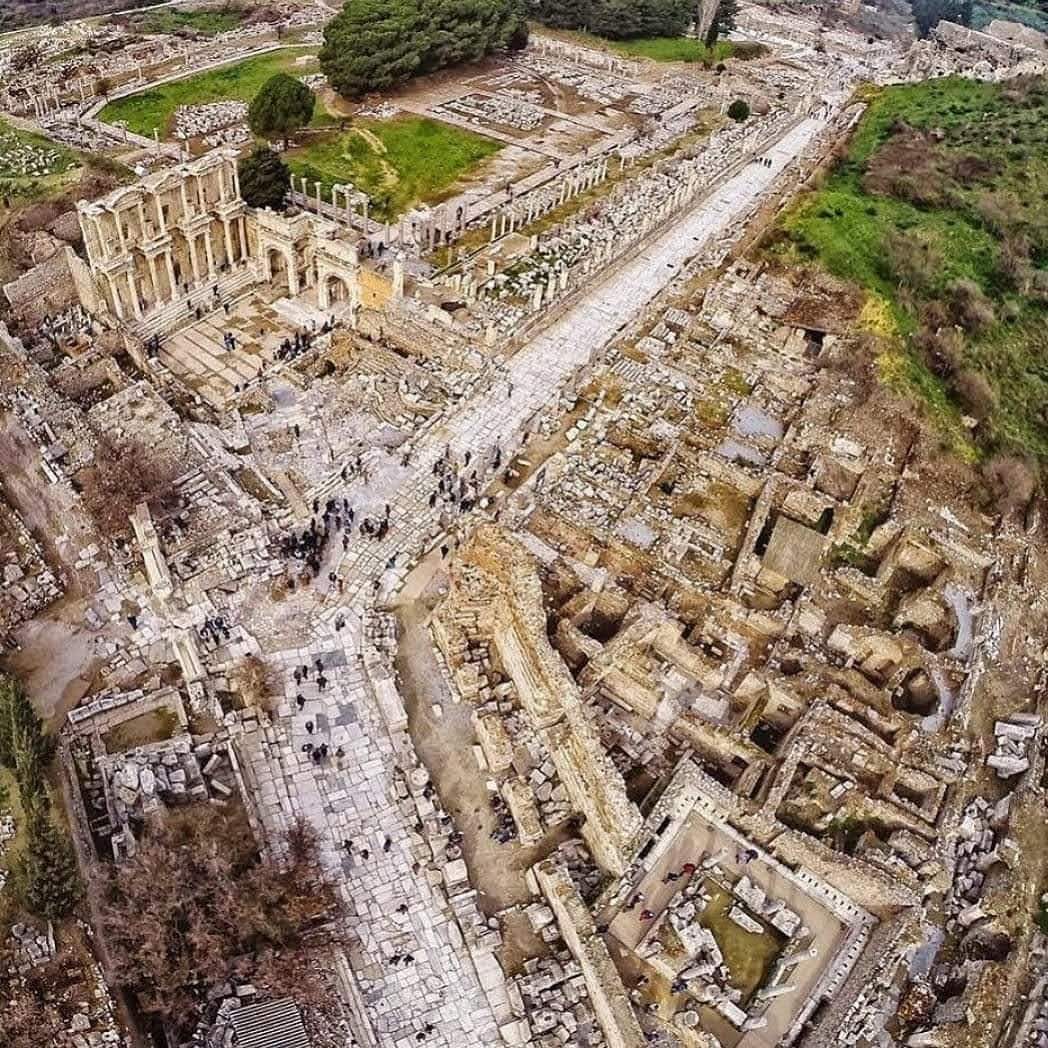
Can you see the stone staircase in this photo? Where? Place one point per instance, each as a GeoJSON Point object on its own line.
{"type": "Point", "coordinates": [174, 314]}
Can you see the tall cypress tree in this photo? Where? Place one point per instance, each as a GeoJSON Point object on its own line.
{"type": "Point", "coordinates": [47, 873]}
{"type": "Point", "coordinates": [24, 748]}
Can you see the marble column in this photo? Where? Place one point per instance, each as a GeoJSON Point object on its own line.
{"type": "Point", "coordinates": [115, 296]}
{"type": "Point", "coordinates": [194, 260]}
{"type": "Point", "coordinates": [153, 280]}
{"type": "Point", "coordinates": [173, 284]}
{"type": "Point", "coordinates": [209, 252]}
{"type": "Point", "coordinates": [136, 305]}
{"type": "Point", "coordinates": [229, 241]}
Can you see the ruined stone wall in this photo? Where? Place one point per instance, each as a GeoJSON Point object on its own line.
{"type": "Point", "coordinates": [607, 992]}
{"type": "Point", "coordinates": [551, 698]}
{"type": "Point", "coordinates": [83, 283]}
{"type": "Point", "coordinates": [44, 289]}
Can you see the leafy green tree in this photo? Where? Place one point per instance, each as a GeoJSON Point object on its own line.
{"type": "Point", "coordinates": [265, 179]}
{"type": "Point", "coordinates": [929, 13]}
{"type": "Point", "coordinates": [458, 31]}
{"type": "Point", "coordinates": [739, 110]}
{"type": "Point", "coordinates": [564, 14]}
{"type": "Point", "coordinates": [623, 19]}
{"type": "Point", "coordinates": [723, 21]}
{"type": "Point", "coordinates": [372, 44]}
{"type": "Point", "coordinates": [46, 875]}
{"type": "Point", "coordinates": [283, 106]}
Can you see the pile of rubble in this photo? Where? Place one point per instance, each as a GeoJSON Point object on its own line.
{"type": "Point", "coordinates": [517, 109]}
{"type": "Point", "coordinates": [29, 947]}
{"type": "Point", "coordinates": [22, 158]}
{"type": "Point", "coordinates": [554, 994]}
{"type": "Point", "coordinates": [976, 849]}
{"type": "Point", "coordinates": [1014, 737]}
{"type": "Point", "coordinates": [27, 584]}
{"type": "Point", "coordinates": [197, 121]}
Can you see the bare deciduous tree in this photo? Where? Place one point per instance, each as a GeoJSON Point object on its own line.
{"type": "Point", "coordinates": [198, 904]}
{"type": "Point", "coordinates": [121, 476]}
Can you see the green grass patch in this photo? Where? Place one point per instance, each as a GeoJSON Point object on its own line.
{"type": "Point", "coordinates": [31, 165]}
{"type": "Point", "coordinates": [955, 166]}
{"type": "Point", "coordinates": [748, 956]}
{"type": "Point", "coordinates": [173, 20]}
{"type": "Point", "coordinates": [675, 49]}
{"type": "Point", "coordinates": [240, 82]}
{"type": "Point", "coordinates": [398, 162]}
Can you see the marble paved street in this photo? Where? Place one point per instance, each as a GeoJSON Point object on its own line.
{"type": "Point", "coordinates": [361, 797]}
{"type": "Point", "coordinates": [544, 366]}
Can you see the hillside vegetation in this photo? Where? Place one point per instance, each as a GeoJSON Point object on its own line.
{"type": "Point", "coordinates": [938, 209]}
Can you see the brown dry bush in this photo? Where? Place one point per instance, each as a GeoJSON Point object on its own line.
{"type": "Point", "coordinates": [942, 349]}
{"type": "Point", "coordinates": [1011, 481]}
{"type": "Point", "coordinates": [971, 308]}
{"type": "Point", "coordinates": [975, 393]}
{"type": "Point", "coordinates": [913, 262]}
{"type": "Point", "coordinates": [256, 684]}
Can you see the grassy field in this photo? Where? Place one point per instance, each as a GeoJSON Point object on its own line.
{"type": "Point", "coordinates": [22, 152]}
{"type": "Point", "coordinates": [396, 162]}
{"type": "Point", "coordinates": [674, 49]}
{"type": "Point", "coordinates": [938, 210]}
{"type": "Point", "coordinates": [155, 108]}
{"type": "Point", "coordinates": [173, 19]}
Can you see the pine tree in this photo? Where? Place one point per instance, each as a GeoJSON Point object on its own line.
{"type": "Point", "coordinates": [283, 106]}
{"type": "Point", "coordinates": [47, 872]}
{"type": "Point", "coordinates": [372, 44]}
{"type": "Point", "coordinates": [24, 748]}
{"type": "Point", "coordinates": [264, 179]}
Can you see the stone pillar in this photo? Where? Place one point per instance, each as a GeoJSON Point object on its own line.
{"type": "Point", "coordinates": [133, 285]}
{"type": "Point", "coordinates": [292, 273]}
{"type": "Point", "coordinates": [398, 277]}
{"type": "Point", "coordinates": [153, 278]}
{"type": "Point", "coordinates": [173, 284]}
{"type": "Point", "coordinates": [319, 201]}
{"type": "Point", "coordinates": [201, 197]}
{"type": "Point", "coordinates": [185, 200]}
{"type": "Point", "coordinates": [160, 212]}
{"type": "Point", "coordinates": [194, 259]}
{"type": "Point", "coordinates": [115, 296]}
{"type": "Point", "coordinates": [209, 252]}
{"type": "Point", "coordinates": [142, 218]}
{"type": "Point", "coordinates": [236, 177]}
{"type": "Point", "coordinates": [228, 231]}
{"type": "Point", "coordinates": [494, 227]}
{"type": "Point", "coordinates": [120, 231]}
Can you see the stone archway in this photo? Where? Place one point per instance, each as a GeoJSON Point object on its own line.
{"type": "Point", "coordinates": [277, 267]}
{"type": "Point", "coordinates": [336, 289]}
{"type": "Point", "coordinates": [335, 286]}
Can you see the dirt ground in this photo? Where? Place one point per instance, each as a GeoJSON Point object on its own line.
{"type": "Point", "coordinates": [444, 743]}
